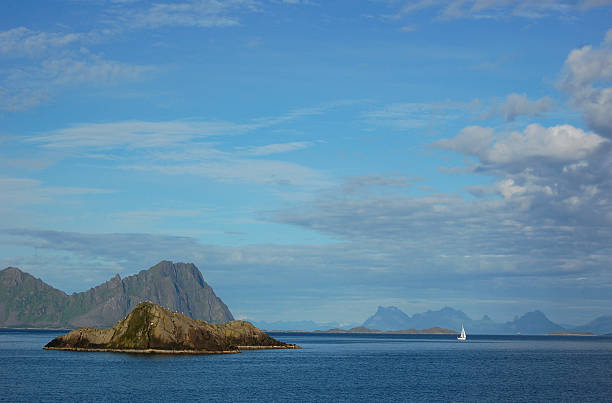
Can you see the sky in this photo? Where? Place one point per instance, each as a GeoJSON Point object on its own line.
{"type": "Point", "coordinates": [315, 159]}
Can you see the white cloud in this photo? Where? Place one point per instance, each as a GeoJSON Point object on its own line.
{"type": "Point", "coordinates": [586, 66]}
{"type": "Point", "coordinates": [558, 143]}
{"type": "Point", "coordinates": [586, 74]}
{"type": "Point", "coordinates": [563, 143]}
{"type": "Point", "coordinates": [472, 140]}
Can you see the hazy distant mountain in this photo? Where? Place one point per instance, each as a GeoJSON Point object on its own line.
{"type": "Point", "coordinates": [533, 323]}
{"type": "Point", "coordinates": [446, 317]}
{"type": "Point", "coordinates": [26, 301]}
{"type": "Point", "coordinates": [392, 318]}
{"type": "Point", "coordinates": [388, 318]}
{"type": "Point", "coordinates": [600, 325]}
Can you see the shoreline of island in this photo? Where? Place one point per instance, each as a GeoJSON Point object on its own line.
{"type": "Point", "coordinates": [563, 333]}
{"type": "Point", "coordinates": [180, 352]}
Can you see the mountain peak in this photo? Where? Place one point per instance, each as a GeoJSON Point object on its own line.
{"type": "Point", "coordinates": [387, 318]}
{"type": "Point", "coordinates": [534, 322]}
{"type": "Point", "coordinates": [390, 308]}
{"type": "Point", "coordinates": [13, 273]}
{"type": "Point", "coordinates": [11, 269]}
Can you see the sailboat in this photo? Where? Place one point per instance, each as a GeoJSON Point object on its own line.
{"type": "Point", "coordinates": [462, 336]}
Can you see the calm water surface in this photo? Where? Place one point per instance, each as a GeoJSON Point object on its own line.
{"type": "Point", "coordinates": [328, 368]}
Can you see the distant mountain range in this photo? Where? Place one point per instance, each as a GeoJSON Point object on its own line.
{"type": "Point", "coordinates": [28, 302]}
{"type": "Point", "coordinates": [392, 318]}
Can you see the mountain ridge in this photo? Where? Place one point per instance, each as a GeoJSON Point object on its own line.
{"type": "Point", "coordinates": [533, 322]}
{"type": "Point", "coordinates": [26, 301]}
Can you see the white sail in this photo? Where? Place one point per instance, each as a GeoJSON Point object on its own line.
{"type": "Point", "coordinates": [462, 336]}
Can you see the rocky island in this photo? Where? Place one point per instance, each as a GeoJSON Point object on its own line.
{"type": "Point", "coordinates": [149, 328]}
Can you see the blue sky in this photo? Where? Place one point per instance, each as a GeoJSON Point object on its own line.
{"type": "Point", "coordinates": [315, 159]}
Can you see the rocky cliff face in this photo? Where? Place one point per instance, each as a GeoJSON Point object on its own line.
{"type": "Point", "coordinates": [151, 328]}
{"type": "Point", "coordinates": [28, 302]}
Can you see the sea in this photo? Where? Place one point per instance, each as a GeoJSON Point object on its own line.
{"type": "Point", "coordinates": [328, 368]}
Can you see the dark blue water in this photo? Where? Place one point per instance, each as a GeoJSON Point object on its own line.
{"type": "Point", "coordinates": [328, 368]}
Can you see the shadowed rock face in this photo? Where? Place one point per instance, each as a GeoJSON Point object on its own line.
{"type": "Point", "coordinates": [26, 301]}
{"type": "Point", "coordinates": [151, 328]}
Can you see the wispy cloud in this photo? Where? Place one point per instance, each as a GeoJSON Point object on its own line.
{"type": "Point", "coordinates": [21, 41]}
{"type": "Point", "coordinates": [516, 105]}
{"type": "Point", "coordinates": [134, 134]}
{"type": "Point", "coordinates": [278, 148]}
{"type": "Point", "coordinates": [149, 134]}
{"type": "Point", "coordinates": [478, 9]}
{"type": "Point", "coordinates": [408, 28]}
{"type": "Point", "coordinates": [414, 115]}
{"type": "Point", "coordinates": [60, 60]}
{"type": "Point", "coordinates": [55, 62]}
{"type": "Point", "coordinates": [149, 215]}
{"type": "Point", "coordinates": [180, 147]}
{"type": "Point", "coordinates": [231, 169]}
{"type": "Point", "coordinates": [194, 13]}
{"type": "Point", "coordinates": [17, 192]}
{"type": "Point", "coordinates": [411, 115]}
